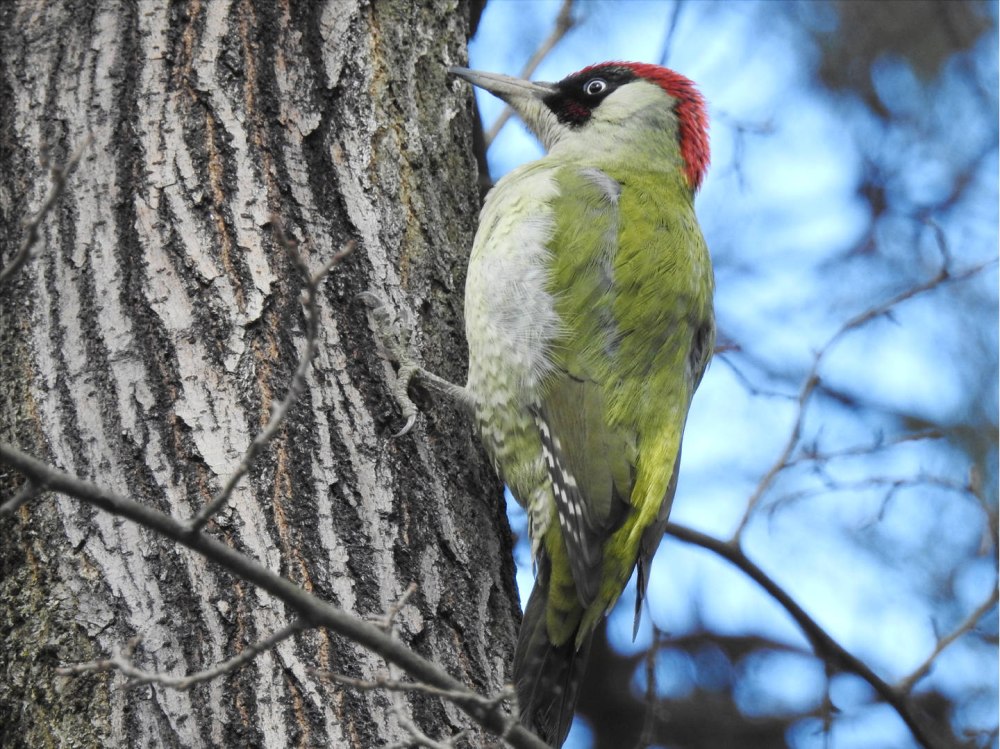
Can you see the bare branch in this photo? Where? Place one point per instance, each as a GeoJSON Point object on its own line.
{"type": "Point", "coordinates": [742, 131]}
{"type": "Point", "coordinates": [391, 684]}
{"type": "Point", "coordinates": [812, 380]}
{"type": "Point", "coordinates": [311, 609]}
{"type": "Point", "coordinates": [58, 175]}
{"type": "Point", "coordinates": [905, 686]}
{"type": "Point", "coordinates": [825, 647]}
{"type": "Point", "coordinates": [564, 23]}
{"type": "Point", "coordinates": [122, 662]}
{"type": "Point", "coordinates": [280, 410]}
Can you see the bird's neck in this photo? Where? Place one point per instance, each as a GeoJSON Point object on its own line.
{"type": "Point", "coordinates": [648, 142]}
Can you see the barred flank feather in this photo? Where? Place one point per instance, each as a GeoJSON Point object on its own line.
{"type": "Point", "coordinates": [546, 676]}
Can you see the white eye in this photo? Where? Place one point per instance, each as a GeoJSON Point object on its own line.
{"type": "Point", "coordinates": [595, 86]}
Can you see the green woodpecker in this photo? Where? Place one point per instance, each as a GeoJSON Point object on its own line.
{"type": "Point", "coordinates": [589, 319]}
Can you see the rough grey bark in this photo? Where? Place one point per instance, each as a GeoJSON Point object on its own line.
{"type": "Point", "coordinates": [144, 345]}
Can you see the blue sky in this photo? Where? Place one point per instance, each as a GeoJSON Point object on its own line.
{"type": "Point", "coordinates": [884, 573]}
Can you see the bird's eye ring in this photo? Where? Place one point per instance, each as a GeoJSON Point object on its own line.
{"type": "Point", "coordinates": [595, 86]}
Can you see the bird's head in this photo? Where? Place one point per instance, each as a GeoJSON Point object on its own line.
{"type": "Point", "coordinates": [612, 105]}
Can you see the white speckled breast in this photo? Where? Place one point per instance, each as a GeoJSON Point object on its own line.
{"type": "Point", "coordinates": [511, 322]}
{"type": "Point", "coordinates": [510, 316]}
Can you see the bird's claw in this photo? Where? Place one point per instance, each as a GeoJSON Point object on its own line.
{"type": "Point", "coordinates": [401, 391]}
{"type": "Point", "coordinates": [406, 427]}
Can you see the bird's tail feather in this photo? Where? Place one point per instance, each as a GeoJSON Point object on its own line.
{"type": "Point", "coordinates": [547, 676]}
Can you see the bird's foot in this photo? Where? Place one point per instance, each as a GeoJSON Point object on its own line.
{"type": "Point", "coordinates": [396, 332]}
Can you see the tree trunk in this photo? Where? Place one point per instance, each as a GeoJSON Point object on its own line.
{"type": "Point", "coordinates": [144, 345]}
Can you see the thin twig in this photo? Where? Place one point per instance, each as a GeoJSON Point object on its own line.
{"type": "Point", "coordinates": [825, 647]}
{"type": "Point", "coordinates": [310, 608]}
{"type": "Point", "coordinates": [892, 484]}
{"type": "Point", "coordinates": [752, 389]}
{"type": "Point", "coordinates": [649, 713]}
{"type": "Point", "coordinates": [122, 662]}
{"type": "Point", "coordinates": [421, 738]}
{"type": "Point", "coordinates": [732, 645]}
{"type": "Point", "coordinates": [564, 23]}
{"type": "Point", "coordinates": [812, 380]}
{"type": "Point", "coordinates": [816, 456]}
{"type": "Point", "coordinates": [28, 492]}
{"type": "Point", "coordinates": [58, 175]}
{"type": "Point", "coordinates": [905, 685]}
{"type": "Point", "coordinates": [826, 708]}
{"type": "Point", "coordinates": [976, 488]}
{"type": "Point", "coordinates": [668, 37]}
{"type": "Point", "coordinates": [280, 410]}
{"type": "Point", "coordinates": [380, 681]}
{"type": "Point", "coordinates": [386, 621]}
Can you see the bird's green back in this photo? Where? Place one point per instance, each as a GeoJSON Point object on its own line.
{"type": "Point", "coordinates": [632, 284]}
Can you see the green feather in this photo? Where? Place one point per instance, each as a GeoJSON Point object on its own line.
{"type": "Point", "coordinates": [632, 283]}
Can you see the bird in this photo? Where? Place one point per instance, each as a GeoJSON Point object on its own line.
{"type": "Point", "coordinates": [589, 322]}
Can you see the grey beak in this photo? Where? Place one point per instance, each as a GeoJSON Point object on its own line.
{"type": "Point", "coordinates": [504, 86]}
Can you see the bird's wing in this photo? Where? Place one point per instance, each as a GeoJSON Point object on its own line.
{"type": "Point", "coordinates": [634, 300]}
{"type": "Point", "coordinates": [590, 462]}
